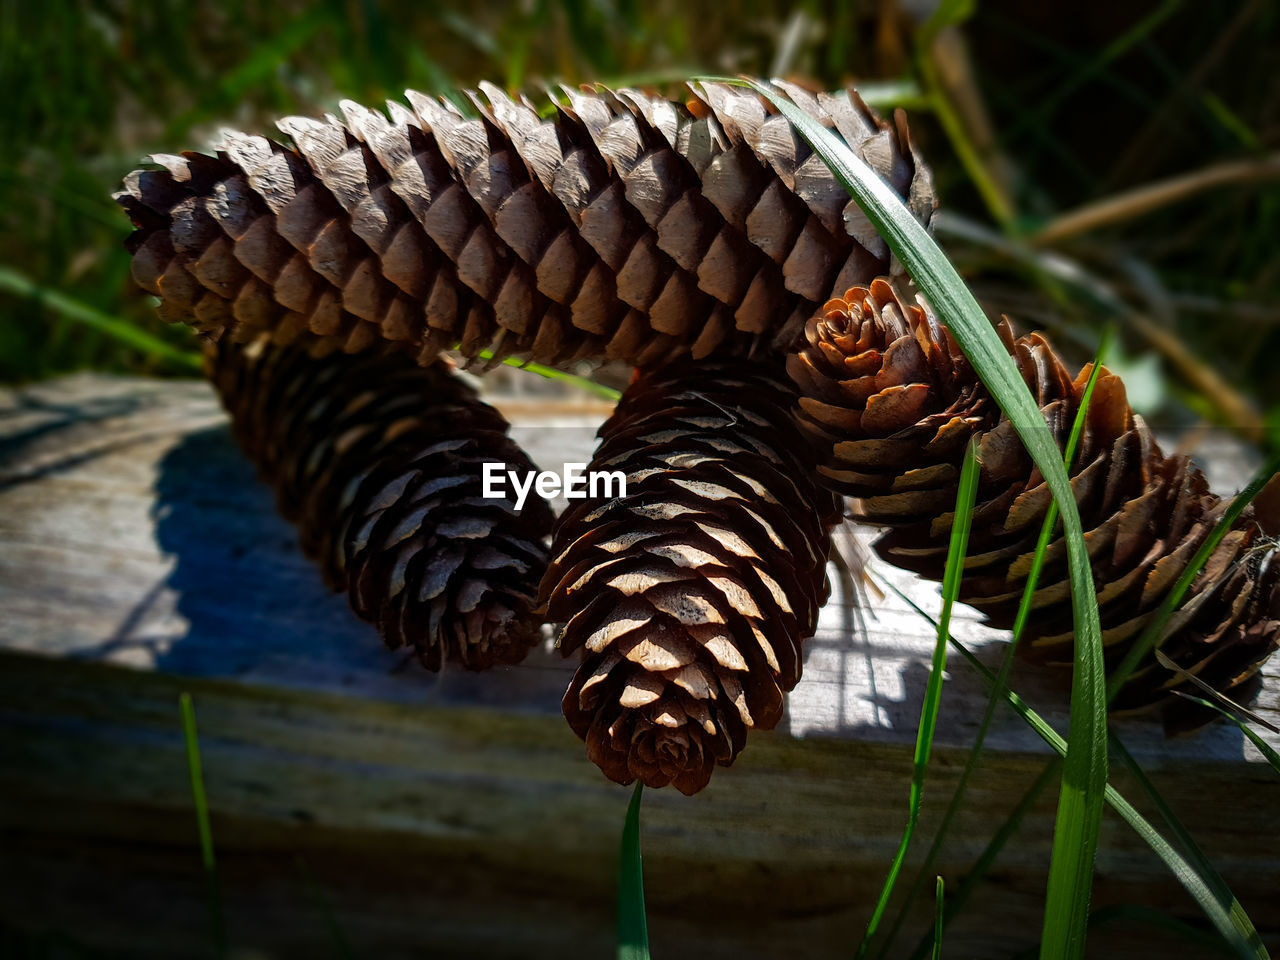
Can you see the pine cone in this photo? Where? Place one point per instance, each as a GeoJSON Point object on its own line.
{"type": "Point", "coordinates": [890, 402]}
{"type": "Point", "coordinates": [691, 594]}
{"type": "Point", "coordinates": [629, 228]}
{"type": "Point", "coordinates": [379, 463]}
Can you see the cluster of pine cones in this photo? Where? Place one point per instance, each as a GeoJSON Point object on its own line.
{"type": "Point", "coordinates": [700, 242]}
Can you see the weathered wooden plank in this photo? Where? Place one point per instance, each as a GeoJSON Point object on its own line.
{"type": "Point", "coordinates": [458, 814]}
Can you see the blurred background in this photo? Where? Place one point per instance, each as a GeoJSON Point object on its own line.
{"type": "Point", "coordinates": [1099, 163]}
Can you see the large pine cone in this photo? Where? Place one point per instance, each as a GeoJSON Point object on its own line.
{"type": "Point", "coordinates": [890, 402]}
{"type": "Point", "coordinates": [628, 228]}
{"type": "Point", "coordinates": [379, 462]}
{"type": "Point", "coordinates": [690, 595]}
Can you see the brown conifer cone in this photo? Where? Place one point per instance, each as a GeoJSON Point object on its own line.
{"type": "Point", "coordinates": [379, 463]}
{"type": "Point", "coordinates": [628, 228]}
{"type": "Point", "coordinates": [890, 402]}
{"type": "Point", "coordinates": [690, 596]}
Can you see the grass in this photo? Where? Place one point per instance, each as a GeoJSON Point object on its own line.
{"type": "Point", "coordinates": [1228, 918]}
{"type": "Point", "coordinates": [1154, 632]}
{"type": "Point", "coordinates": [217, 922]}
{"type": "Point", "coordinates": [633, 924]}
{"type": "Point", "coordinates": [940, 901]}
{"type": "Point", "coordinates": [956, 551]}
{"type": "Point", "coordinates": [1006, 665]}
{"type": "Point", "coordinates": [1268, 752]}
{"type": "Point", "coordinates": [1084, 773]}
{"type": "Point", "coordinates": [91, 91]}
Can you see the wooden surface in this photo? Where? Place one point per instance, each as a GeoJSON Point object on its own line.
{"type": "Point", "coordinates": [458, 815]}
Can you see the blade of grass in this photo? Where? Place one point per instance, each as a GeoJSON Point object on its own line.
{"type": "Point", "coordinates": [262, 61]}
{"type": "Point", "coordinates": [1217, 886]}
{"type": "Point", "coordinates": [1006, 832]}
{"type": "Point", "coordinates": [940, 902]}
{"type": "Point", "coordinates": [1264, 748]}
{"type": "Point", "coordinates": [551, 373]}
{"type": "Point", "coordinates": [633, 928]}
{"type": "Point", "coordinates": [15, 283]}
{"type": "Point", "coordinates": [1097, 64]}
{"type": "Point", "coordinates": [1136, 913]}
{"type": "Point", "coordinates": [341, 945]}
{"type": "Point", "coordinates": [1081, 798]}
{"type": "Point", "coordinates": [1225, 702]}
{"type": "Point", "coordinates": [1154, 633]}
{"type": "Point", "coordinates": [1069, 281]}
{"type": "Point", "coordinates": [956, 550]}
{"type": "Point", "coordinates": [217, 923]}
{"type": "Point", "coordinates": [951, 13]}
{"type": "Point", "coordinates": [1006, 664]}
{"type": "Point", "coordinates": [1223, 919]}
{"type": "Point", "coordinates": [888, 94]}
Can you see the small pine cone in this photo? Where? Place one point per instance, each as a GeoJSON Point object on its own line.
{"type": "Point", "coordinates": [890, 402]}
{"type": "Point", "coordinates": [690, 595]}
{"type": "Point", "coordinates": [379, 462]}
{"type": "Point", "coordinates": [628, 228]}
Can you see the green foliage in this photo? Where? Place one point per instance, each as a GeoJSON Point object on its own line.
{"type": "Point", "coordinates": [1085, 771]}
{"type": "Point", "coordinates": [1155, 631]}
{"type": "Point", "coordinates": [1219, 905]}
{"type": "Point", "coordinates": [195, 772]}
{"type": "Point", "coordinates": [1006, 664]}
{"type": "Point", "coordinates": [91, 88]}
{"type": "Point", "coordinates": [633, 926]}
{"type": "Point", "coordinates": [957, 549]}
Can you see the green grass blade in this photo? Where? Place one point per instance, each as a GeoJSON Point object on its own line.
{"type": "Point", "coordinates": [1264, 748]}
{"type": "Point", "coordinates": [948, 13]}
{"type": "Point", "coordinates": [1006, 663]}
{"type": "Point", "coordinates": [1225, 702]}
{"type": "Point", "coordinates": [1217, 886]}
{"type": "Point", "coordinates": [13, 282]}
{"type": "Point", "coordinates": [633, 927]}
{"type": "Point", "coordinates": [216, 921]}
{"type": "Point", "coordinates": [1081, 799]}
{"type": "Point", "coordinates": [341, 945]}
{"type": "Point", "coordinates": [1152, 917]}
{"type": "Point", "coordinates": [982, 866]}
{"type": "Point", "coordinates": [956, 550]}
{"type": "Point", "coordinates": [940, 901]}
{"type": "Point", "coordinates": [1222, 917]}
{"type": "Point", "coordinates": [1212, 880]}
{"type": "Point", "coordinates": [262, 61]}
{"type": "Point", "coordinates": [890, 94]}
{"type": "Point", "coordinates": [551, 373]}
{"type": "Point", "coordinates": [1153, 635]}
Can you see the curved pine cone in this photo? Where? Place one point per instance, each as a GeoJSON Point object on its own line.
{"type": "Point", "coordinates": [890, 402]}
{"type": "Point", "coordinates": [628, 228]}
{"type": "Point", "coordinates": [690, 595]}
{"type": "Point", "coordinates": [379, 462]}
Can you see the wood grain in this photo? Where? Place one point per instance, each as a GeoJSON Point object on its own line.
{"type": "Point", "coordinates": [459, 816]}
